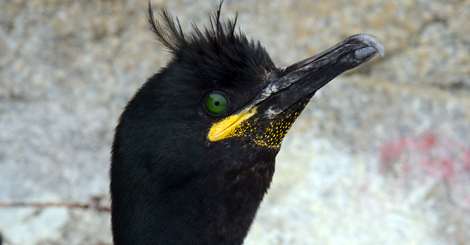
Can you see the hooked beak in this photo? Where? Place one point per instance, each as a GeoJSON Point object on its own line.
{"type": "Point", "coordinates": [287, 85]}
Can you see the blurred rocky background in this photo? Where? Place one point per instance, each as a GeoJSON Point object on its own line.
{"type": "Point", "coordinates": [380, 156]}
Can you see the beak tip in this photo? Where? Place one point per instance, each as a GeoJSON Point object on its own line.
{"type": "Point", "coordinates": [370, 41]}
{"type": "Point", "coordinates": [381, 51]}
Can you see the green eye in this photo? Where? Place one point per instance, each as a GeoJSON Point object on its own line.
{"type": "Point", "coordinates": [216, 104]}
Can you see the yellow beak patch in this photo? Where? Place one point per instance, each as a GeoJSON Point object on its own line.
{"type": "Point", "coordinates": [225, 128]}
{"type": "Point", "coordinates": [267, 132]}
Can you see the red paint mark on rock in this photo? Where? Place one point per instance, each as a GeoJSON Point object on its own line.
{"type": "Point", "coordinates": [417, 158]}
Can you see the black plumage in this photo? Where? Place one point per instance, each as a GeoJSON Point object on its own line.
{"type": "Point", "coordinates": [183, 174]}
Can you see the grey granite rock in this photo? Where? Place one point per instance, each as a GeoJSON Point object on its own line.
{"type": "Point", "coordinates": [380, 156]}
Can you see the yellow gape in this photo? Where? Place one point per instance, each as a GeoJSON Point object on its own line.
{"type": "Point", "coordinates": [225, 128]}
{"type": "Point", "coordinates": [266, 133]}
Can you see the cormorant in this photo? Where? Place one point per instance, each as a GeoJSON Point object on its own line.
{"type": "Point", "coordinates": [194, 150]}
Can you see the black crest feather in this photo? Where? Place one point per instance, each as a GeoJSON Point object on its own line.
{"type": "Point", "coordinates": [219, 40]}
{"type": "Point", "coordinates": [170, 34]}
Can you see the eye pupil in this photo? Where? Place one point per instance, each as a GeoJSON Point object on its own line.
{"type": "Point", "coordinates": [216, 103]}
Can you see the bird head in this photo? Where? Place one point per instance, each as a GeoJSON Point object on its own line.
{"type": "Point", "coordinates": [196, 145]}
{"type": "Point", "coordinates": [232, 86]}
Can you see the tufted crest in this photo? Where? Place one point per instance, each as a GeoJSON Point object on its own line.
{"type": "Point", "coordinates": [218, 44]}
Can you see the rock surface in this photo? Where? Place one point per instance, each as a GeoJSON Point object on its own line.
{"type": "Point", "coordinates": [380, 156]}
